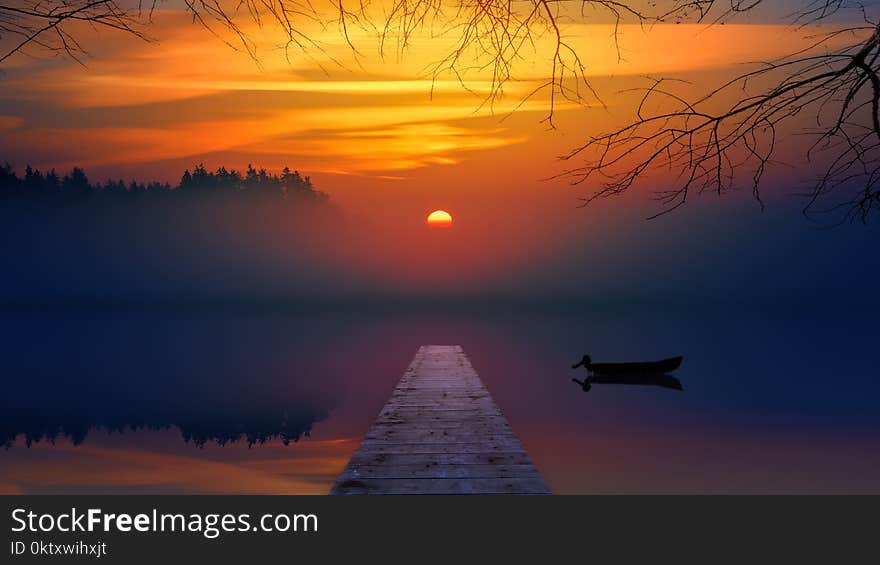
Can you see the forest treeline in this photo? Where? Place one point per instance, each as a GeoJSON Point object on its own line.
{"type": "Point", "coordinates": [65, 239]}
{"type": "Point", "coordinates": [199, 183]}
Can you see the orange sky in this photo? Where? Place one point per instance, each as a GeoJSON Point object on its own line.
{"type": "Point", "coordinates": [190, 97]}
{"type": "Point", "coordinates": [369, 130]}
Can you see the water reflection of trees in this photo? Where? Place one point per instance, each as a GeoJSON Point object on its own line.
{"type": "Point", "coordinates": [222, 429]}
{"type": "Point", "coordinates": [215, 377]}
{"type": "Point", "coordinates": [30, 417]}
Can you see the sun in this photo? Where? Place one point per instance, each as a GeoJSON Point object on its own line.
{"type": "Point", "coordinates": [439, 219]}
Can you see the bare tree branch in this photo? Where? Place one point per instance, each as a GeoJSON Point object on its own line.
{"type": "Point", "coordinates": [707, 143]}
{"type": "Point", "coordinates": [43, 24]}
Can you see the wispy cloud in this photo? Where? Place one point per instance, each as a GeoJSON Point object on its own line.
{"type": "Point", "coordinates": [366, 115]}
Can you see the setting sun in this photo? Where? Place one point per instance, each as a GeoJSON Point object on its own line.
{"type": "Point", "coordinates": [439, 219]}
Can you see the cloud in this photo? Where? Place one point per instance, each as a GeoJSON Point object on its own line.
{"type": "Point", "coordinates": [189, 95]}
{"type": "Point", "coordinates": [10, 122]}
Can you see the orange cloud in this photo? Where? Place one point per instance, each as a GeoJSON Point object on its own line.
{"type": "Point", "coordinates": [10, 122]}
{"type": "Point", "coordinates": [365, 115]}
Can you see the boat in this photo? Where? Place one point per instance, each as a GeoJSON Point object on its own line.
{"type": "Point", "coordinates": [638, 368]}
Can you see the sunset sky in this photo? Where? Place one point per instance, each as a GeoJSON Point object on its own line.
{"type": "Point", "coordinates": [389, 144]}
{"type": "Point", "coordinates": [150, 107]}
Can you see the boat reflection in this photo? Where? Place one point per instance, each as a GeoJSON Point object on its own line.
{"type": "Point", "coordinates": [661, 380]}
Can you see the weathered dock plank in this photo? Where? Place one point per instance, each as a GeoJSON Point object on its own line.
{"type": "Point", "coordinates": [440, 433]}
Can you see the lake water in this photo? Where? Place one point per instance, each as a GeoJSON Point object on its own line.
{"type": "Point", "coordinates": [189, 401]}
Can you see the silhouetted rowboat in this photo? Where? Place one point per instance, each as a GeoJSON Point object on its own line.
{"type": "Point", "coordinates": [663, 366]}
{"type": "Point", "coordinates": [641, 368]}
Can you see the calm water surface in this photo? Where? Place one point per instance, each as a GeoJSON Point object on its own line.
{"type": "Point", "coordinates": [194, 402]}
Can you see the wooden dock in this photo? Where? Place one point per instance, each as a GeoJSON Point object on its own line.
{"type": "Point", "coordinates": [440, 433]}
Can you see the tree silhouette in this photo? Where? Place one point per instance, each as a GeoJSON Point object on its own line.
{"type": "Point", "coordinates": [710, 142]}
{"type": "Point", "coordinates": [40, 26]}
{"type": "Point", "coordinates": [200, 184]}
{"type": "Point", "coordinates": [45, 25]}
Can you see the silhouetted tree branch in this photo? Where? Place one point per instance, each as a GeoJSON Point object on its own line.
{"type": "Point", "coordinates": [45, 24]}
{"type": "Point", "coordinates": [49, 26]}
{"type": "Point", "coordinates": [496, 35]}
{"type": "Point", "coordinates": [707, 142]}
